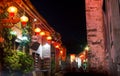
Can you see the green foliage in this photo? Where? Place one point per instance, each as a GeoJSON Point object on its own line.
{"type": "Point", "coordinates": [12, 61]}
{"type": "Point", "coordinates": [19, 61]}
{"type": "Point", "coordinates": [26, 62]}
{"type": "Point", "coordinates": [15, 60]}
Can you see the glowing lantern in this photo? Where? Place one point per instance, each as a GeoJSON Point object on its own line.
{"type": "Point", "coordinates": [12, 10]}
{"type": "Point", "coordinates": [24, 19]}
{"type": "Point", "coordinates": [37, 31]}
{"type": "Point", "coordinates": [72, 57]}
{"type": "Point", "coordinates": [49, 38]}
{"type": "Point", "coordinates": [52, 42]}
{"type": "Point", "coordinates": [42, 33]}
{"type": "Point", "coordinates": [82, 57]}
{"type": "Point", "coordinates": [61, 52]}
{"type": "Point", "coordinates": [56, 45]}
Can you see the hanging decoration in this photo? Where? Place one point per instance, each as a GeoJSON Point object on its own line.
{"type": "Point", "coordinates": [37, 31]}
{"type": "Point", "coordinates": [24, 19]}
{"type": "Point", "coordinates": [49, 39]}
{"type": "Point", "coordinates": [42, 33]}
{"type": "Point", "coordinates": [12, 11]}
{"type": "Point", "coordinates": [10, 20]}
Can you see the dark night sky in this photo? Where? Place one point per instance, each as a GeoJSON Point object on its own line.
{"type": "Point", "coordinates": [66, 17]}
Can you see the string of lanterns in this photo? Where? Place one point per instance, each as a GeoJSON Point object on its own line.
{"type": "Point", "coordinates": [12, 11]}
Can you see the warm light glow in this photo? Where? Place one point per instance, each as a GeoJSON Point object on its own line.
{"type": "Point", "coordinates": [12, 10]}
{"type": "Point", "coordinates": [61, 52]}
{"type": "Point", "coordinates": [72, 57]}
{"type": "Point", "coordinates": [24, 19]}
{"type": "Point", "coordinates": [76, 59]}
{"type": "Point", "coordinates": [35, 20]}
{"type": "Point", "coordinates": [87, 48]}
{"type": "Point", "coordinates": [57, 46]}
{"type": "Point", "coordinates": [53, 42]}
{"type": "Point", "coordinates": [37, 30]}
{"type": "Point", "coordinates": [49, 38]}
{"type": "Point", "coordinates": [42, 33]}
{"type": "Point", "coordinates": [81, 56]}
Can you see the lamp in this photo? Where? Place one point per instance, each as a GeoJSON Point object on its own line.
{"type": "Point", "coordinates": [61, 52]}
{"type": "Point", "coordinates": [49, 38]}
{"type": "Point", "coordinates": [72, 57]}
{"type": "Point", "coordinates": [12, 11]}
{"type": "Point", "coordinates": [87, 48]}
{"type": "Point", "coordinates": [24, 19]}
{"type": "Point", "coordinates": [42, 33]}
{"type": "Point", "coordinates": [10, 21]}
{"type": "Point", "coordinates": [37, 30]}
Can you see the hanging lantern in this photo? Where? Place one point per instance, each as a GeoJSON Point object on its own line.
{"type": "Point", "coordinates": [61, 52]}
{"type": "Point", "coordinates": [12, 10]}
{"type": "Point", "coordinates": [72, 57]}
{"type": "Point", "coordinates": [57, 46]}
{"type": "Point", "coordinates": [42, 33]}
{"type": "Point", "coordinates": [49, 38]}
{"type": "Point", "coordinates": [37, 31]}
{"type": "Point", "coordinates": [24, 19]}
{"type": "Point", "coordinates": [53, 42]}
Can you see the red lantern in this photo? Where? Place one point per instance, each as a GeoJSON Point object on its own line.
{"type": "Point", "coordinates": [24, 19]}
{"type": "Point", "coordinates": [42, 33]}
{"type": "Point", "coordinates": [12, 10]}
{"type": "Point", "coordinates": [37, 31]}
{"type": "Point", "coordinates": [56, 45]}
{"type": "Point", "coordinates": [49, 38]}
{"type": "Point", "coordinates": [61, 52]}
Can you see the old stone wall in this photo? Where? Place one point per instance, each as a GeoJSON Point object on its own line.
{"type": "Point", "coordinates": [95, 35]}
